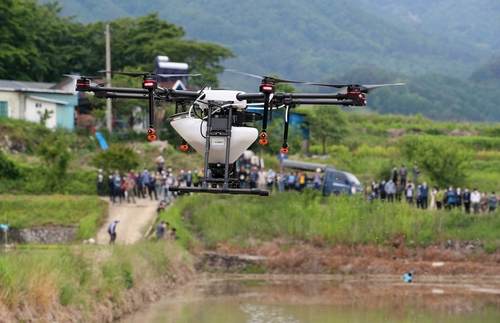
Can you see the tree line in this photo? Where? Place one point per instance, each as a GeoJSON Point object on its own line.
{"type": "Point", "coordinates": [37, 44]}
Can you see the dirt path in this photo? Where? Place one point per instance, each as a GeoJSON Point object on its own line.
{"type": "Point", "coordinates": [134, 220]}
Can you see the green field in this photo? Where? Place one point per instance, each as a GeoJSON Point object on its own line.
{"type": "Point", "coordinates": [24, 211]}
{"type": "Point", "coordinates": [241, 220]}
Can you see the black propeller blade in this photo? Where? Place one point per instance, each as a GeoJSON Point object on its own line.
{"type": "Point", "coordinates": [360, 88]}
{"type": "Point", "coordinates": [276, 80]}
{"type": "Point", "coordinates": [137, 74]}
{"type": "Point", "coordinates": [82, 76]}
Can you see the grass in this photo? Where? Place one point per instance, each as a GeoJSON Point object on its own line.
{"type": "Point", "coordinates": [24, 211]}
{"type": "Point", "coordinates": [85, 277]}
{"type": "Point", "coordinates": [347, 220]}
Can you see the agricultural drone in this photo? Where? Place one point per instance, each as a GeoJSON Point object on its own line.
{"type": "Point", "coordinates": [215, 122]}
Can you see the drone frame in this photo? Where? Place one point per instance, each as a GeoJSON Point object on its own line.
{"type": "Point", "coordinates": [218, 181]}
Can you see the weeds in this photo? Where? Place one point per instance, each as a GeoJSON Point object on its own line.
{"type": "Point", "coordinates": [345, 220]}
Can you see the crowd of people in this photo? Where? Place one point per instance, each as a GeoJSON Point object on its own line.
{"type": "Point", "coordinates": [399, 188]}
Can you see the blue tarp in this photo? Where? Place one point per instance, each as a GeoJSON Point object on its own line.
{"type": "Point", "coordinates": [102, 141]}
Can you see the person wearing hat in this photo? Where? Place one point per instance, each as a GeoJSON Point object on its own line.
{"type": "Point", "coordinates": [112, 231]}
{"type": "Point", "coordinates": [317, 179]}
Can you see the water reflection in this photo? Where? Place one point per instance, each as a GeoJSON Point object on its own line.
{"type": "Point", "coordinates": [301, 301]}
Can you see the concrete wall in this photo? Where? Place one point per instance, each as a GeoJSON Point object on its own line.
{"type": "Point", "coordinates": [34, 107]}
{"type": "Point", "coordinates": [42, 235]}
{"type": "Point", "coordinates": [12, 99]}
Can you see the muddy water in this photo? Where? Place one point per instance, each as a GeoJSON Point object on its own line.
{"type": "Point", "coordinates": [323, 300]}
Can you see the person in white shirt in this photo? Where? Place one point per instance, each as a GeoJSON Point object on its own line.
{"type": "Point", "coordinates": [475, 199]}
{"type": "Point", "coordinates": [261, 179]}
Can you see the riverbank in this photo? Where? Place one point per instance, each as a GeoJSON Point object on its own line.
{"type": "Point", "coordinates": [88, 283]}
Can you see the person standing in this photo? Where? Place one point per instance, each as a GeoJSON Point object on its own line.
{"type": "Point", "coordinates": [253, 177]}
{"type": "Point", "coordinates": [146, 177]}
{"type": "Point", "coordinates": [492, 201]}
{"type": "Point", "coordinates": [117, 187]}
{"type": "Point", "coordinates": [390, 190]}
{"type": "Point", "coordinates": [317, 179]}
{"type": "Point", "coordinates": [282, 179]}
{"type": "Point", "coordinates": [403, 172]}
{"type": "Point", "coordinates": [424, 194]}
{"type": "Point", "coordinates": [475, 199]}
{"type": "Point", "coordinates": [158, 184]}
{"type": "Point", "coordinates": [458, 198]}
{"type": "Point", "coordinates": [160, 163]}
{"type": "Point", "coordinates": [409, 193]}
{"type": "Point", "coordinates": [290, 183]}
{"type": "Point", "coordinates": [242, 177]}
{"type": "Point", "coordinates": [152, 187]}
{"type": "Point", "coordinates": [432, 205]}
{"type": "Point", "coordinates": [189, 178]}
{"type": "Point", "coordinates": [416, 173]}
{"type": "Point", "coordinates": [451, 198]}
{"type": "Point", "coordinates": [112, 231]}
{"type": "Point", "coordinates": [262, 179]}
{"type": "Point", "coordinates": [439, 198]}
{"type": "Point", "coordinates": [111, 187]}
{"type": "Point", "coordinates": [130, 186]}
{"type": "Point", "coordinates": [394, 174]}
{"type": "Point", "coordinates": [139, 185]}
{"type": "Point", "coordinates": [466, 199]}
{"type": "Point", "coordinates": [383, 193]}
{"type": "Point", "coordinates": [196, 180]}
{"type": "Point", "coordinates": [399, 191]}
{"type": "Point", "coordinates": [270, 178]}
{"type": "Point", "coordinates": [484, 202]}
{"type": "Point", "coordinates": [100, 183]}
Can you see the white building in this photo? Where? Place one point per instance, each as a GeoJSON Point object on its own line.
{"type": "Point", "coordinates": [31, 100]}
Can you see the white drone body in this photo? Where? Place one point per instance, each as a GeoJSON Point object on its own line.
{"type": "Point", "coordinates": [193, 129]}
{"type": "Point", "coordinates": [222, 96]}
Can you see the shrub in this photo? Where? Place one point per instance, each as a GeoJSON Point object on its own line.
{"type": "Point", "coordinates": [118, 157]}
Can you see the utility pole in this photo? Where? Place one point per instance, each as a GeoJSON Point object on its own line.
{"type": "Point", "coordinates": [108, 80]}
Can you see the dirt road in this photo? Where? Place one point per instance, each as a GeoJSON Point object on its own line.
{"type": "Point", "coordinates": [134, 220]}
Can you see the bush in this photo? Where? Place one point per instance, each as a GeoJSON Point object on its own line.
{"type": "Point", "coordinates": [116, 157]}
{"type": "Point", "coordinates": [445, 162]}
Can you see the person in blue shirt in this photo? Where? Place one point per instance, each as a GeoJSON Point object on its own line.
{"type": "Point", "coordinates": [492, 201]}
{"type": "Point", "coordinates": [112, 231]}
{"type": "Point", "coordinates": [451, 198]}
{"type": "Point", "coordinates": [424, 195]}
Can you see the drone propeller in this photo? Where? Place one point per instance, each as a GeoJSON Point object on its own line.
{"type": "Point", "coordinates": [137, 74]}
{"type": "Point", "coordinates": [270, 78]}
{"type": "Point", "coordinates": [82, 76]}
{"type": "Point", "coordinates": [356, 87]}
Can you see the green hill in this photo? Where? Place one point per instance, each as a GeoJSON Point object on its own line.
{"type": "Point", "coordinates": [299, 40]}
{"type": "Point", "coordinates": [468, 23]}
{"type": "Point", "coordinates": [435, 96]}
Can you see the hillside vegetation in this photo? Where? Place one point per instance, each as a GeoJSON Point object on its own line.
{"type": "Point", "coordinates": [435, 96]}
{"type": "Point", "coordinates": [307, 40]}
